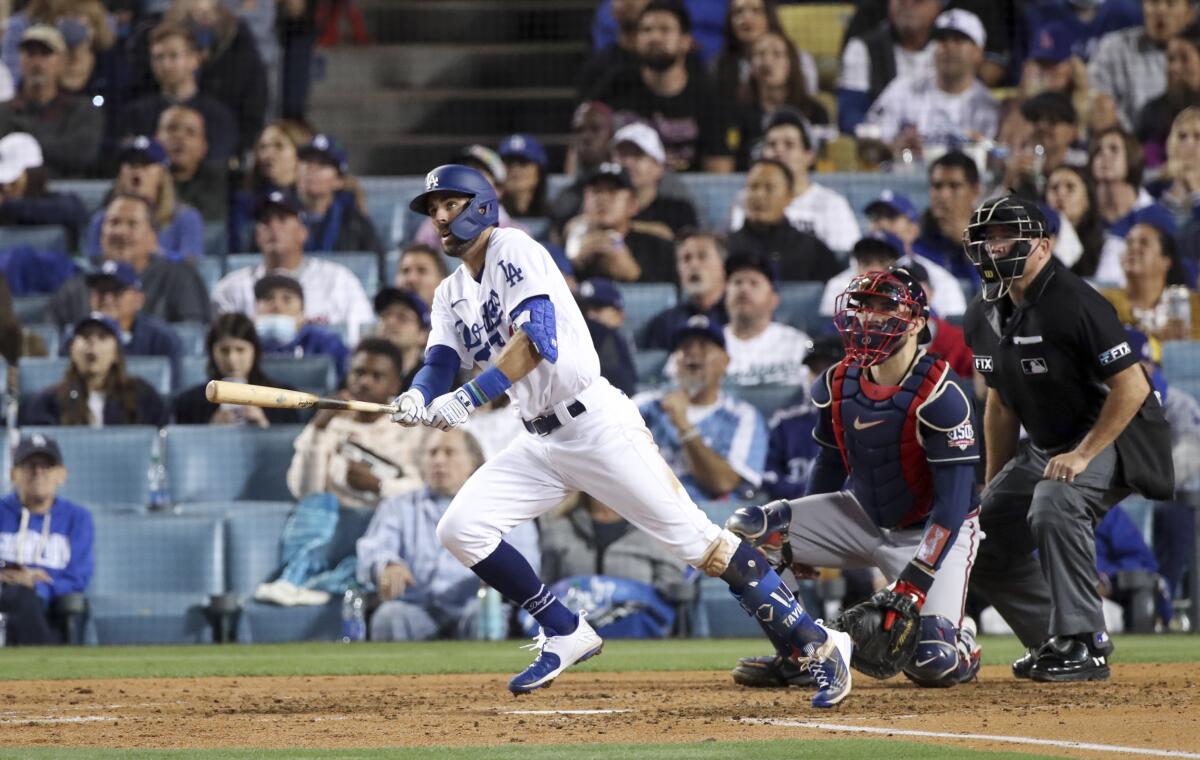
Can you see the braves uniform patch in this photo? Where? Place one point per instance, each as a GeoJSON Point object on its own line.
{"type": "Point", "coordinates": [1114, 353]}
{"type": "Point", "coordinates": [932, 544]}
{"type": "Point", "coordinates": [961, 437]}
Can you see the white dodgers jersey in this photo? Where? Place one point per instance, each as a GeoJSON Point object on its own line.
{"type": "Point", "coordinates": [475, 319]}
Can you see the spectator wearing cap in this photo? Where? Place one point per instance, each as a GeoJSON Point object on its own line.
{"type": "Point", "coordinates": [638, 148]}
{"type": "Point", "coordinates": [761, 350]}
{"type": "Point", "coordinates": [603, 242]}
{"type": "Point", "coordinates": [25, 195]}
{"type": "Point", "coordinates": [714, 443]}
{"type": "Point", "coordinates": [87, 28]}
{"type": "Point", "coordinates": [814, 208]}
{"type": "Point", "coordinates": [484, 160]}
{"type": "Point", "coordinates": [420, 269]}
{"type": "Point", "coordinates": [67, 127]}
{"type": "Point", "coordinates": [333, 294]}
{"type": "Point", "coordinates": [282, 328]}
{"type": "Point", "coordinates": [946, 338]}
{"type": "Point", "coordinates": [1183, 91]}
{"type": "Point", "coordinates": [1049, 142]}
{"type": "Point", "coordinates": [1129, 67]}
{"type": "Point", "coordinates": [526, 165]}
{"type": "Point", "coordinates": [45, 543]}
{"type": "Point", "coordinates": [791, 448]}
{"type": "Point", "coordinates": [1055, 63]}
{"type": "Point", "coordinates": [898, 48]}
{"type": "Point", "coordinates": [953, 190]}
{"type": "Point", "coordinates": [605, 62]}
{"type": "Point", "coordinates": [403, 319]}
{"type": "Point", "coordinates": [175, 60]}
{"type": "Point", "coordinates": [145, 172]}
{"type": "Point", "coordinates": [115, 291]}
{"type": "Point", "coordinates": [1150, 263]}
{"type": "Point", "coordinates": [700, 274]}
{"type": "Point", "coordinates": [603, 309]}
{"type": "Point", "coordinates": [199, 181]}
{"type": "Point", "coordinates": [1080, 25]}
{"type": "Point", "coordinates": [96, 390]}
{"type": "Point", "coordinates": [947, 107]}
{"type": "Point", "coordinates": [798, 255]}
{"type": "Point", "coordinates": [589, 146]}
{"type": "Point", "coordinates": [330, 210]}
{"type": "Point", "coordinates": [679, 102]}
{"type": "Point", "coordinates": [173, 290]}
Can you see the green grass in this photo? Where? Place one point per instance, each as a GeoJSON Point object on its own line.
{"type": "Point", "coordinates": [452, 657]}
{"type": "Point", "coordinates": [785, 749]}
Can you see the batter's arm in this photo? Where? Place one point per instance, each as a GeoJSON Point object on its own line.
{"type": "Point", "coordinates": [1001, 430]}
{"type": "Point", "coordinates": [518, 358]}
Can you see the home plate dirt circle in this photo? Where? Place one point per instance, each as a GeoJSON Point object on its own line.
{"type": "Point", "coordinates": [1143, 707]}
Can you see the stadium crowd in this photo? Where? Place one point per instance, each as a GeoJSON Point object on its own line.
{"type": "Point", "coordinates": [235, 243]}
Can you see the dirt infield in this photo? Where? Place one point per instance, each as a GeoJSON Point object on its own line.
{"type": "Point", "coordinates": [1145, 706]}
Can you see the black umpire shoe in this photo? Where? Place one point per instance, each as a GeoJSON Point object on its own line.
{"type": "Point", "coordinates": [1066, 658]}
{"type": "Point", "coordinates": [1023, 665]}
{"type": "Point", "coordinates": [771, 672]}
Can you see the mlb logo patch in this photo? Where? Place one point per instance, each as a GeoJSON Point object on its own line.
{"type": "Point", "coordinates": [1034, 366]}
{"type": "Point", "coordinates": [961, 437]}
{"type": "Point", "coordinates": [983, 363]}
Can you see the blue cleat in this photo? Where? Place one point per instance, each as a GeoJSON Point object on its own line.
{"type": "Point", "coordinates": [829, 664]}
{"type": "Point", "coordinates": [556, 654]}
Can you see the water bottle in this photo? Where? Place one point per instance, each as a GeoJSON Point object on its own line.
{"type": "Point", "coordinates": [491, 615]}
{"type": "Point", "coordinates": [3, 630]}
{"type": "Point", "coordinates": [1179, 309]}
{"type": "Point", "coordinates": [354, 621]}
{"type": "Point", "coordinates": [160, 494]}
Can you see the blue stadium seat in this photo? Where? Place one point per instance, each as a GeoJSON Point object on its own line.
{"type": "Point", "coordinates": [767, 399]}
{"type": "Point", "coordinates": [211, 269]}
{"type": "Point", "coordinates": [386, 196]}
{"type": "Point", "coordinates": [155, 370]}
{"type": "Point", "coordinates": [1181, 360]}
{"type": "Point", "coordinates": [714, 195]}
{"type": "Point", "coordinates": [799, 304]}
{"type": "Point", "coordinates": [91, 192]}
{"type": "Point", "coordinates": [216, 240]}
{"type": "Point", "coordinates": [226, 464]}
{"type": "Point", "coordinates": [364, 265]}
{"type": "Point", "coordinates": [192, 336]}
{"type": "Point", "coordinates": [47, 332]}
{"type": "Point", "coordinates": [30, 309]}
{"type": "Point", "coordinates": [42, 237]}
{"type": "Point", "coordinates": [643, 300]}
{"type": "Point", "coordinates": [314, 374]}
{"type": "Point", "coordinates": [154, 575]}
{"type": "Point", "coordinates": [5, 455]}
{"type": "Point", "coordinates": [650, 363]}
{"type": "Point", "coordinates": [107, 468]}
{"type": "Point", "coordinates": [252, 533]}
{"type": "Point", "coordinates": [538, 227]}
{"type": "Point", "coordinates": [38, 373]}
{"type": "Point", "coordinates": [193, 370]}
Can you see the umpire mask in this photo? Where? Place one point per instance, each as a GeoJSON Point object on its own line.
{"type": "Point", "coordinates": [999, 240]}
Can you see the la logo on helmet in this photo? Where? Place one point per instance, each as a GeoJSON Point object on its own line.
{"type": "Point", "coordinates": [431, 181]}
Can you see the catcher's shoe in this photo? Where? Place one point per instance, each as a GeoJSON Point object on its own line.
{"type": "Point", "coordinates": [556, 654]}
{"type": "Point", "coordinates": [771, 672]}
{"type": "Point", "coordinates": [969, 650]}
{"type": "Point", "coordinates": [829, 664]}
{"type": "Point", "coordinates": [1069, 659]}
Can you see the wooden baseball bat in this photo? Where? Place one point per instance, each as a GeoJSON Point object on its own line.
{"type": "Point", "coordinates": [222, 392]}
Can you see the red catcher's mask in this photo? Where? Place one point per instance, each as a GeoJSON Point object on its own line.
{"type": "Point", "coordinates": [874, 313]}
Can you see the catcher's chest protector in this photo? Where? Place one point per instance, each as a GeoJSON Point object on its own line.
{"type": "Point", "coordinates": [877, 435]}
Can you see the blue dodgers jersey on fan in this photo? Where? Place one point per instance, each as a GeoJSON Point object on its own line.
{"type": "Point", "coordinates": [891, 460]}
{"type": "Point", "coordinates": [732, 428]}
{"type": "Point", "coordinates": [791, 451]}
{"type": "Point", "coordinates": [66, 555]}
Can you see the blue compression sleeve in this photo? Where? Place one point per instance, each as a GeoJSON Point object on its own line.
{"type": "Point", "coordinates": [434, 379]}
{"type": "Point", "coordinates": [536, 317]}
{"type": "Point", "coordinates": [828, 473]}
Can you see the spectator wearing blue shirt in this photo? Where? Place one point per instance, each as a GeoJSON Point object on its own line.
{"type": "Point", "coordinates": [330, 209]}
{"type": "Point", "coordinates": [282, 329]}
{"type": "Point", "coordinates": [425, 592]}
{"type": "Point", "coordinates": [715, 444]}
{"type": "Point", "coordinates": [45, 543]}
{"type": "Point", "coordinates": [603, 309]}
{"type": "Point", "coordinates": [404, 321]}
{"type": "Point", "coordinates": [953, 192]}
{"type": "Point", "coordinates": [115, 291]}
{"type": "Point", "coordinates": [700, 274]}
{"type": "Point", "coordinates": [25, 198]}
{"type": "Point", "coordinates": [1079, 23]}
{"type": "Point", "coordinates": [145, 171]}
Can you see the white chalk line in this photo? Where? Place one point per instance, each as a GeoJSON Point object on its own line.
{"type": "Point", "coordinates": [66, 719]}
{"type": "Point", "coordinates": [564, 712]}
{"type": "Point", "coordinates": [979, 737]}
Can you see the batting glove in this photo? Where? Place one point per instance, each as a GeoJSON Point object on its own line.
{"type": "Point", "coordinates": [410, 409]}
{"type": "Point", "coordinates": [450, 410]}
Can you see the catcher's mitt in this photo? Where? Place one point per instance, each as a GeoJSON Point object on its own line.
{"type": "Point", "coordinates": [880, 653]}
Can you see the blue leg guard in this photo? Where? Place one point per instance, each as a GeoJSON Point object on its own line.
{"type": "Point", "coordinates": [939, 660]}
{"type": "Point", "coordinates": [763, 594]}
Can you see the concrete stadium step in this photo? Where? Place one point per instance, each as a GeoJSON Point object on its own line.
{"type": "Point", "coordinates": [417, 154]}
{"type": "Point", "coordinates": [546, 64]}
{"type": "Point", "coordinates": [477, 21]}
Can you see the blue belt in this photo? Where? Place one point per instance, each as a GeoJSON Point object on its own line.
{"type": "Point", "coordinates": [548, 423]}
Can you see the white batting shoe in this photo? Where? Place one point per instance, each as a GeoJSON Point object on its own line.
{"type": "Point", "coordinates": [556, 654]}
{"type": "Point", "coordinates": [829, 664]}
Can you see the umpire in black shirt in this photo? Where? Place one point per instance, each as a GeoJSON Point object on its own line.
{"type": "Point", "coordinates": [1056, 361]}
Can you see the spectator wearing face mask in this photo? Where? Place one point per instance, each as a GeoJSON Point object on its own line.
{"type": "Point", "coordinates": [283, 330]}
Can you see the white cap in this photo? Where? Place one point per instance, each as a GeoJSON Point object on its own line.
{"type": "Point", "coordinates": [645, 137]}
{"type": "Point", "coordinates": [18, 151]}
{"type": "Point", "coordinates": [963, 22]}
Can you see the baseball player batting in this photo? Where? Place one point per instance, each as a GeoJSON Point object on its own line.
{"type": "Point", "coordinates": [897, 422]}
{"type": "Point", "coordinates": [509, 311]}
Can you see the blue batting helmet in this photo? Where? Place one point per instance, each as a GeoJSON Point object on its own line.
{"type": "Point", "coordinates": [482, 212]}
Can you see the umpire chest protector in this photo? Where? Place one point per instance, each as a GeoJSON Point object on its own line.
{"type": "Point", "coordinates": [877, 432]}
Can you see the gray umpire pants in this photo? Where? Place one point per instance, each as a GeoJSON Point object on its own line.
{"type": "Point", "coordinates": [1052, 593]}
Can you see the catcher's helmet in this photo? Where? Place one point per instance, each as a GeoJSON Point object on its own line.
{"type": "Point", "coordinates": [1000, 258]}
{"type": "Point", "coordinates": [482, 212]}
{"type": "Point", "coordinates": [875, 311]}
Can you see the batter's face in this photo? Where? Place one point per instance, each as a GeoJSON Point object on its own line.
{"type": "Point", "coordinates": [444, 208]}
{"type": "Point", "coordinates": [37, 479]}
{"type": "Point", "coordinates": [373, 378]}
{"type": "Point", "coordinates": [448, 461]}
{"type": "Point", "coordinates": [233, 358]}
